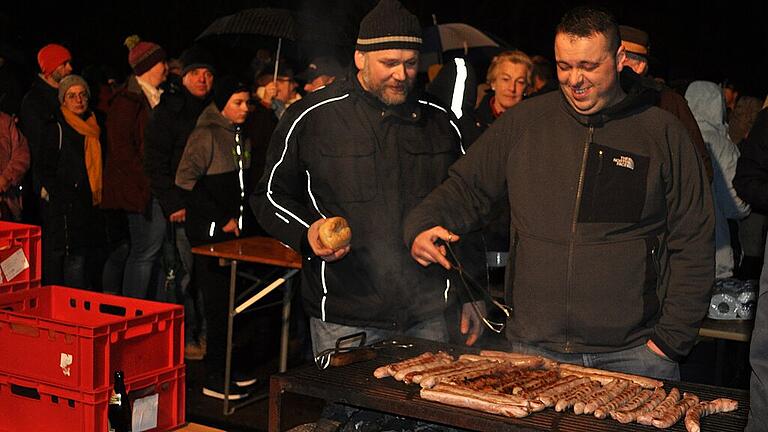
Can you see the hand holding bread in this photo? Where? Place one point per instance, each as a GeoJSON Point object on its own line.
{"type": "Point", "coordinates": [330, 238]}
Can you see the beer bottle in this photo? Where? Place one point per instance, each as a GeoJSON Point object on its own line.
{"type": "Point", "coordinates": [119, 410]}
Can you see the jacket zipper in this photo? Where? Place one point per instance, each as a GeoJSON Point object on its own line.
{"type": "Point", "coordinates": [571, 243]}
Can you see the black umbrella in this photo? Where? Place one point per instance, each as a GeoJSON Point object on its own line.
{"type": "Point", "coordinates": [272, 22]}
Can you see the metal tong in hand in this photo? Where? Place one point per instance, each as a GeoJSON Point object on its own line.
{"type": "Point", "coordinates": [469, 283]}
{"type": "Point", "coordinates": [342, 356]}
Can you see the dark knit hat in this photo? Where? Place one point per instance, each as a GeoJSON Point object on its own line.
{"type": "Point", "coordinates": [52, 56]}
{"type": "Point", "coordinates": [224, 88]}
{"type": "Point", "coordinates": [196, 57]}
{"type": "Point", "coordinates": [69, 81]}
{"type": "Point", "coordinates": [389, 26]}
{"type": "Point", "coordinates": [143, 55]}
{"type": "Point", "coordinates": [634, 40]}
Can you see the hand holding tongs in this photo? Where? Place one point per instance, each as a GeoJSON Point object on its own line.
{"type": "Point", "coordinates": [469, 282]}
{"type": "Point", "coordinates": [342, 356]}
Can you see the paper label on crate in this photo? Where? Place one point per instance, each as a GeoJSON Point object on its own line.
{"type": "Point", "coordinates": [64, 362]}
{"type": "Point", "coordinates": [145, 413]}
{"type": "Point", "coordinates": [14, 264]}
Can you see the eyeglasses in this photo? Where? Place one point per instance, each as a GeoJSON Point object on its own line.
{"type": "Point", "coordinates": [75, 96]}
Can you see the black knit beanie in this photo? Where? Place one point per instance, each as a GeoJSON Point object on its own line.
{"type": "Point", "coordinates": [389, 26]}
{"type": "Point", "coordinates": [196, 57]}
{"type": "Point", "coordinates": [224, 88]}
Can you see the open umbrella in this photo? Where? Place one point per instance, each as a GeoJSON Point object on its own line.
{"type": "Point", "coordinates": [458, 39]}
{"type": "Point", "coordinates": [271, 22]}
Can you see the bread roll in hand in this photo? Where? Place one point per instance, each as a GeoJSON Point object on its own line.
{"type": "Point", "coordinates": [335, 233]}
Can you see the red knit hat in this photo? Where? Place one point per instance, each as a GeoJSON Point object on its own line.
{"type": "Point", "coordinates": [142, 55]}
{"type": "Point", "coordinates": [52, 56]}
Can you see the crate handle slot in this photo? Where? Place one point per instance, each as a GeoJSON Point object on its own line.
{"type": "Point", "coordinates": [140, 330]}
{"type": "Point", "coordinates": [112, 309]}
{"type": "Point", "coordinates": [25, 329]}
{"type": "Point", "coordinates": [23, 391]}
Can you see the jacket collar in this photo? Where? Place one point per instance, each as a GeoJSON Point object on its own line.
{"type": "Point", "coordinates": [631, 104]}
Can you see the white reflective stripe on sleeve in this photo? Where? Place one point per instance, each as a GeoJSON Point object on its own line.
{"type": "Point", "coordinates": [212, 229]}
{"type": "Point", "coordinates": [325, 291]}
{"type": "Point", "coordinates": [312, 196]}
{"type": "Point", "coordinates": [282, 217]}
{"type": "Point", "coordinates": [456, 128]}
{"type": "Point", "coordinates": [447, 288]}
{"type": "Point", "coordinates": [285, 150]}
{"type": "Point", "coordinates": [457, 101]}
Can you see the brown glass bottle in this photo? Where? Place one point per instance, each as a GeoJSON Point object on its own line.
{"type": "Point", "coordinates": [119, 410]}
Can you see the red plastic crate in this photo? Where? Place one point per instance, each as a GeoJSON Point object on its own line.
{"type": "Point", "coordinates": [14, 236]}
{"type": "Point", "coordinates": [26, 405]}
{"type": "Point", "coordinates": [75, 339]}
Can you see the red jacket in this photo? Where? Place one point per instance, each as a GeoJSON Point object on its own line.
{"type": "Point", "coordinates": [126, 187]}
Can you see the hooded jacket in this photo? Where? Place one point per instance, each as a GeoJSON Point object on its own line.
{"type": "Point", "coordinates": [213, 171]}
{"type": "Point", "coordinates": [708, 107]}
{"type": "Point", "coordinates": [611, 224]}
{"type": "Point", "coordinates": [342, 152]}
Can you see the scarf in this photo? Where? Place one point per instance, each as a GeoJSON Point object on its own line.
{"type": "Point", "coordinates": [90, 129]}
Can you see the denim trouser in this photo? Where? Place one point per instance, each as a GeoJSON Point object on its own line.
{"type": "Point", "coordinates": [192, 299]}
{"type": "Point", "coordinates": [639, 360]}
{"type": "Point", "coordinates": [325, 334]}
{"type": "Point", "coordinates": [146, 244]}
{"type": "Point", "coordinates": [758, 358]}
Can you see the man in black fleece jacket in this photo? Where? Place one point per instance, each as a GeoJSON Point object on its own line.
{"type": "Point", "coordinates": [612, 228]}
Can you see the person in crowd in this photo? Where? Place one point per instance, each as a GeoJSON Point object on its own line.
{"type": "Point", "coordinates": [741, 110]}
{"type": "Point", "coordinates": [212, 170]}
{"type": "Point", "coordinates": [126, 186]}
{"type": "Point", "coordinates": [542, 76]}
{"type": "Point", "coordinates": [365, 148]}
{"type": "Point", "coordinates": [38, 107]}
{"type": "Point", "coordinates": [72, 175]}
{"type": "Point", "coordinates": [751, 183]}
{"type": "Point", "coordinates": [708, 107]}
{"type": "Point", "coordinates": [320, 72]}
{"type": "Point", "coordinates": [635, 81]}
{"type": "Point", "coordinates": [509, 78]}
{"type": "Point", "coordinates": [165, 138]}
{"type": "Point", "coordinates": [14, 162]}
{"type": "Point", "coordinates": [611, 233]}
{"type": "Point", "coordinates": [278, 94]}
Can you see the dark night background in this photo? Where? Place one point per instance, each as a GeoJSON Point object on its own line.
{"type": "Point", "coordinates": [689, 40]}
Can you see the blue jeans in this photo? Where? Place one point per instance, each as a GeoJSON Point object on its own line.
{"type": "Point", "coordinates": [325, 334]}
{"type": "Point", "coordinates": [758, 359]}
{"type": "Point", "coordinates": [146, 244]}
{"type": "Point", "coordinates": [192, 299]}
{"type": "Point", "coordinates": [639, 360]}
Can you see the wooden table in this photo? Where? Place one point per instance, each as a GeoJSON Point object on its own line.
{"type": "Point", "coordinates": [259, 250]}
{"type": "Point", "coordinates": [735, 330]}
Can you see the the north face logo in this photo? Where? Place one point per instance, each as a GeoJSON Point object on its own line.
{"type": "Point", "coordinates": [625, 162]}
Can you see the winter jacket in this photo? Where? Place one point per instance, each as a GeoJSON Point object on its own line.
{"type": "Point", "coordinates": [126, 186]}
{"type": "Point", "coordinates": [165, 137]}
{"type": "Point", "coordinates": [751, 180]}
{"type": "Point", "coordinates": [658, 94]}
{"type": "Point", "coordinates": [39, 107]}
{"type": "Point", "coordinates": [14, 151]}
{"type": "Point", "coordinates": [70, 221]}
{"type": "Point", "coordinates": [214, 170]}
{"type": "Point", "coordinates": [708, 107]}
{"type": "Point", "coordinates": [611, 224]}
{"type": "Point", "coordinates": [341, 152]}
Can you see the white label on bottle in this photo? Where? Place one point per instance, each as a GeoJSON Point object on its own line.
{"type": "Point", "coordinates": [14, 264]}
{"type": "Point", "coordinates": [64, 362]}
{"type": "Point", "coordinates": [144, 411]}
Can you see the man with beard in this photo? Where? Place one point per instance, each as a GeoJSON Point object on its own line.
{"type": "Point", "coordinates": [37, 108]}
{"type": "Point", "coordinates": [366, 148]}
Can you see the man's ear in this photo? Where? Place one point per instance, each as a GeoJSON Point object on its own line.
{"type": "Point", "coordinates": [621, 56]}
{"type": "Point", "coordinates": [359, 60]}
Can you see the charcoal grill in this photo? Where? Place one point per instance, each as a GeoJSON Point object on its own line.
{"type": "Point", "coordinates": [355, 385]}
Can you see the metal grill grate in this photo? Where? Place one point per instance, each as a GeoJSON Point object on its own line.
{"type": "Point", "coordinates": [355, 385]}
